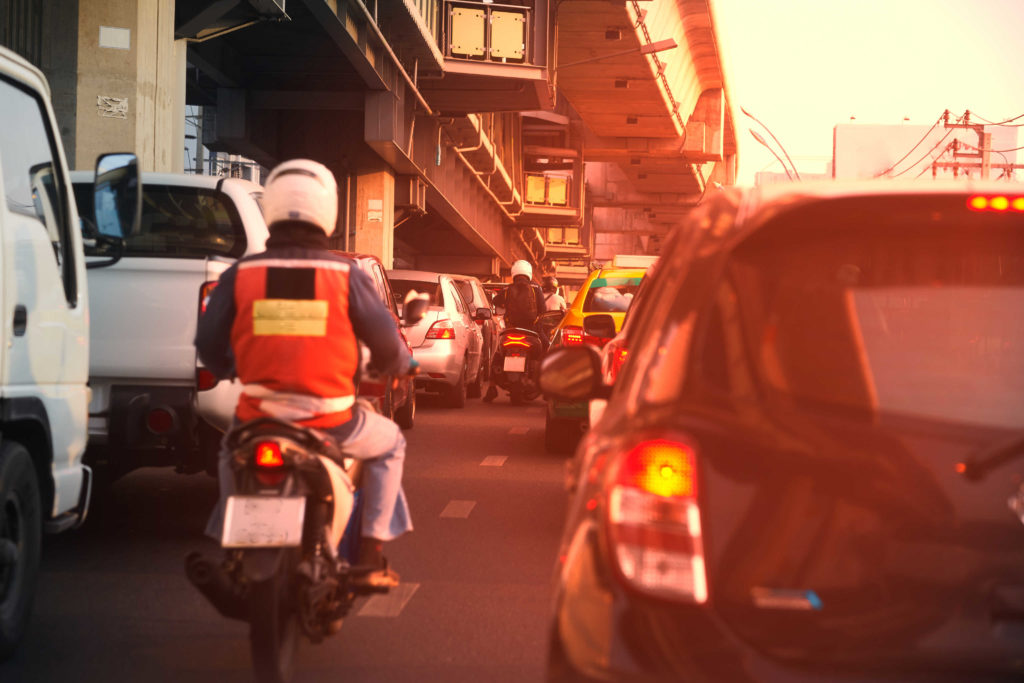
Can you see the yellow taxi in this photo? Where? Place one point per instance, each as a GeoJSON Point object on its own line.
{"type": "Point", "coordinates": [606, 291]}
{"type": "Point", "coordinates": [609, 292]}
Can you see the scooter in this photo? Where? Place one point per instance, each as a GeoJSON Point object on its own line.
{"type": "Point", "coordinates": [290, 537]}
{"type": "Point", "coordinates": [516, 364]}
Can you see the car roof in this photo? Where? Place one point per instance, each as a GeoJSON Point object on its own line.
{"type": "Point", "coordinates": [180, 179]}
{"type": "Point", "coordinates": [425, 275]}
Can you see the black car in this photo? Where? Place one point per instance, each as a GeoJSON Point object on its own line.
{"type": "Point", "coordinates": [811, 467]}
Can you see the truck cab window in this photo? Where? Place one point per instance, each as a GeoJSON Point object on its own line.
{"type": "Point", "coordinates": [33, 185]}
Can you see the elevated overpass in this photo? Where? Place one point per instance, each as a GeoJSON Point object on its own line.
{"type": "Point", "coordinates": [464, 134]}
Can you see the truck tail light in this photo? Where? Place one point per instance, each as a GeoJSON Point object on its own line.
{"type": "Point", "coordinates": [442, 329]}
{"type": "Point", "coordinates": [653, 521]}
{"type": "Point", "coordinates": [205, 290]}
{"type": "Point", "coordinates": [997, 203]}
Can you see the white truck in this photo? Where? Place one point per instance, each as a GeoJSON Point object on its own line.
{"type": "Point", "coordinates": [44, 336]}
{"type": "Point", "coordinates": [152, 402]}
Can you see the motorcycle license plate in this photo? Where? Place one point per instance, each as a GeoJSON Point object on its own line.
{"type": "Point", "coordinates": [263, 521]}
{"type": "Point", "coordinates": [515, 363]}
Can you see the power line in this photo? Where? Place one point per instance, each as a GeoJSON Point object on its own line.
{"type": "Point", "coordinates": [993, 123]}
{"type": "Point", "coordinates": [924, 137]}
{"type": "Point", "coordinates": [926, 154]}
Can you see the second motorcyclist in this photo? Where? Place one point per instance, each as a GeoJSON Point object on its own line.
{"type": "Point", "coordinates": [524, 302]}
{"type": "Point", "coordinates": [288, 323]}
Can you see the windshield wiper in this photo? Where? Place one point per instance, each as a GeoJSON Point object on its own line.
{"type": "Point", "coordinates": [978, 466]}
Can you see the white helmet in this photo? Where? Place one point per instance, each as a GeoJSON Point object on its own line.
{"type": "Point", "coordinates": [522, 267]}
{"type": "Point", "coordinates": [302, 190]}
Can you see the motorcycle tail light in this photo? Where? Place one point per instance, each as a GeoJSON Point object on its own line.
{"type": "Point", "coordinates": [442, 329]}
{"type": "Point", "coordinates": [268, 454]}
{"type": "Point", "coordinates": [513, 340]}
{"type": "Point", "coordinates": [653, 521]}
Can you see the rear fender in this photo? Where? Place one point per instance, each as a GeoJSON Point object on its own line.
{"type": "Point", "coordinates": [260, 564]}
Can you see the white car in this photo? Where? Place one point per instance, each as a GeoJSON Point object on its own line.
{"type": "Point", "coordinates": [152, 403]}
{"type": "Point", "coordinates": [447, 343]}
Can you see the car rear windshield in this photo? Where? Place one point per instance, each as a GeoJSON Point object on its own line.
{"type": "Point", "coordinates": [611, 294]}
{"type": "Point", "coordinates": [402, 287]}
{"type": "Point", "coordinates": [177, 222]}
{"type": "Point", "coordinates": [900, 306]}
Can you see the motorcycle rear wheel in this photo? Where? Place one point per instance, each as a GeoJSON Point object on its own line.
{"type": "Point", "coordinates": [274, 630]}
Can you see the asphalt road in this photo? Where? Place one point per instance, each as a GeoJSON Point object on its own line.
{"type": "Point", "coordinates": [487, 502]}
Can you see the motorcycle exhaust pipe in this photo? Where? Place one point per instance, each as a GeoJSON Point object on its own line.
{"type": "Point", "coordinates": [215, 585]}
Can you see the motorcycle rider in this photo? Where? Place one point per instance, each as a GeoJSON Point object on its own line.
{"type": "Point", "coordinates": [553, 301]}
{"type": "Point", "coordinates": [288, 322]}
{"type": "Point", "coordinates": [520, 310]}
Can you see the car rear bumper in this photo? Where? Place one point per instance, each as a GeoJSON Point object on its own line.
{"type": "Point", "coordinates": [438, 362]}
{"type": "Point", "coordinates": [602, 632]}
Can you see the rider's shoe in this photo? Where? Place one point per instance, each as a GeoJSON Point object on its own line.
{"type": "Point", "coordinates": [492, 393]}
{"type": "Point", "coordinates": [378, 580]}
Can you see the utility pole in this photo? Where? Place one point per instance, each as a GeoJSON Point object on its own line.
{"type": "Point", "coordinates": [980, 159]}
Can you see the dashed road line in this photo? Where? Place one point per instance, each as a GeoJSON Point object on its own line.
{"type": "Point", "coordinates": [494, 461]}
{"type": "Point", "coordinates": [458, 508]}
{"type": "Point", "coordinates": [388, 604]}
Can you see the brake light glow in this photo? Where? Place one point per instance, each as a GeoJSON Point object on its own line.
{"type": "Point", "coordinates": [515, 340]}
{"type": "Point", "coordinates": [997, 203]}
{"type": "Point", "coordinates": [619, 356]}
{"type": "Point", "coordinates": [442, 329]}
{"type": "Point", "coordinates": [654, 523]}
{"type": "Point", "coordinates": [268, 454]}
{"type": "Point", "coordinates": [205, 290]}
{"type": "Point", "coordinates": [572, 336]}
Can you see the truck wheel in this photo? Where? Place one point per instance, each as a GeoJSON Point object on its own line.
{"type": "Point", "coordinates": [20, 543]}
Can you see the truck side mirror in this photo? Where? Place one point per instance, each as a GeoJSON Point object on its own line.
{"type": "Point", "coordinates": [117, 195]}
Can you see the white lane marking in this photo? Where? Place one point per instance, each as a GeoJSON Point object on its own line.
{"type": "Point", "coordinates": [494, 461]}
{"type": "Point", "coordinates": [519, 430]}
{"type": "Point", "coordinates": [388, 604]}
{"type": "Point", "coordinates": [458, 508]}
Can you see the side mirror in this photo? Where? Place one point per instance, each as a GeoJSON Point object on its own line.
{"type": "Point", "coordinates": [572, 374]}
{"type": "Point", "coordinates": [117, 195]}
{"type": "Point", "coordinates": [413, 308]}
{"type": "Point", "coordinates": [483, 314]}
{"type": "Point", "coordinates": [601, 326]}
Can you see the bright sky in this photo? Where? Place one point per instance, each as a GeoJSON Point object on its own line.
{"type": "Point", "coordinates": [802, 66]}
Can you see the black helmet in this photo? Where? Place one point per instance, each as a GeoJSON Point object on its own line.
{"type": "Point", "coordinates": [550, 283]}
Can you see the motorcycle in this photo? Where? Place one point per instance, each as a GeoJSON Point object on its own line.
{"type": "Point", "coordinates": [516, 364]}
{"type": "Point", "coordinates": [290, 536]}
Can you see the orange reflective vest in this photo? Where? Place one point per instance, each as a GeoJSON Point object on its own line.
{"type": "Point", "coordinates": [295, 350]}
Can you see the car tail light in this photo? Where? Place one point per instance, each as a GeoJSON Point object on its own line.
{"type": "Point", "coordinates": [654, 521]}
{"type": "Point", "coordinates": [572, 336]}
{"type": "Point", "coordinates": [268, 454]}
{"type": "Point", "coordinates": [205, 290]}
{"type": "Point", "coordinates": [442, 329]}
{"type": "Point", "coordinates": [205, 380]}
{"type": "Point", "coordinates": [619, 356]}
{"type": "Point", "coordinates": [513, 340]}
{"type": "Point", "coordinates": [997, 203]}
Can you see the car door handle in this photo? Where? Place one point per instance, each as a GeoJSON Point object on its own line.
{"type": "Point", "coordinates": [20, 320]}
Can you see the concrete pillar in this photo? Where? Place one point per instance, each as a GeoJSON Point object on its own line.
{"type": "Point", "coordinates": [131, 83]}
{"type": "Point", "coordinates": [375, 211]}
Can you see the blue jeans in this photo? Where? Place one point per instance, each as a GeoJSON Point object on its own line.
{"type": "Point", "coordinates": [369, 437]}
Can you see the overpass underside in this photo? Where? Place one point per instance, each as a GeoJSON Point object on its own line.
{"type": "Point", "coordinates": [462, 133]}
